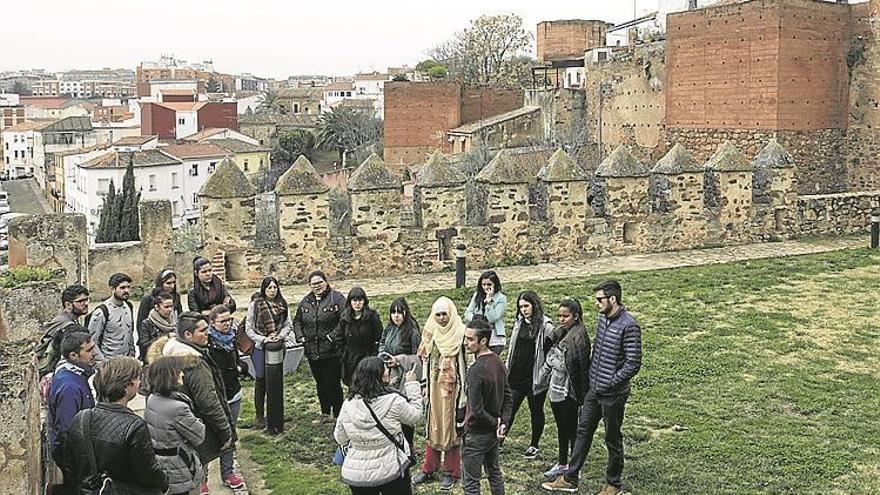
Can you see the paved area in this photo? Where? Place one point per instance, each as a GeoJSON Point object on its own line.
{"type": "Point", "coordinates": [25, 198]}
{"type": "Point", "coordinates": [581, 268]}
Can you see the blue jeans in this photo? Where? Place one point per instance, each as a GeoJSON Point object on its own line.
{"type": "Point", "coordinates": [227, 459]}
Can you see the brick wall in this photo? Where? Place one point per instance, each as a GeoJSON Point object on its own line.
{"type": "Point", "coordinates": [488, 102]}
{"type": "Point", "coordinates": [156, 119]}
{"type": "Point", "coordinates": [765, 64]}
{"type": "Point", "coordinates": [219, 114]}
{"type": "Point", "coordinates": [566, 39]}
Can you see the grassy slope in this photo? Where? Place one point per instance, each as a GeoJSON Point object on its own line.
{"type": "Point", "coordinates": [758, 376]}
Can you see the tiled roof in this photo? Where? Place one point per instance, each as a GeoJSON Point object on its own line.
{"type": "Point", "coordinates": [300, 93]}
{"type": "Point", "coordinates": [178, 92]}
{"type": "Point", "coordinates": [183, 106]}
{"type": "Point", "coordinates": [70, 124]}
{"type": "Point", "coordinates": [146, 158]}
{"type": "Point", "coordinates": [27, 126]}
{"type": "Point", "coordinates": [237, 146]}
{"type": "Point", "coordinates": [490, 121]}
{"type": "Point", "coordinates": [134, 140]}
{"type": "Point", "coordinates": [372, 77]}
{"type": "Point", "coordinates": [44, 102]}
{"type": "Point", "coordinates": [194, 150]}
{"type": "Point", "coordinates": [204, 133]}
{"type": "Point", "coordinates": [339, 86]}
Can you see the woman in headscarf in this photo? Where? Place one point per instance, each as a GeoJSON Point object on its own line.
{"type": "Point", "coordinates": [208, 290]}
{"type": "Point", "coordinates": [442, 348]}
{"type": "Point", "coordinates": [268, 320]}
{"type": "Point", "coordinates": [166, 281]}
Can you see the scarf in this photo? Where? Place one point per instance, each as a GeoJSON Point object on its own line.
{"type": "Point", "coordinates": [270, 314]}
{"type": "Point", "coordinates": [163, 324]}
{"type": "Point", "coordinates": [84, 370]}
{"type": "Point", "coordinates": [448, 338]}
{"type": "Point", "coordinates": [226, 341]}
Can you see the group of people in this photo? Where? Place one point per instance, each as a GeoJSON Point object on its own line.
{"type": "Point", "coordinates": [447, 374]}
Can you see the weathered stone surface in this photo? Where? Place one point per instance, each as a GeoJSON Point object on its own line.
{"type": "Point", "coordinates": [502, 170]}
{"type": "Point", "coordinates": [300, 178]}
{"type": "Point", "coordinates": [729, 159]}
{"type": "Point", "coordinates": [20, 417]}
{"type": "Point", "coordinates": [227, 181]}
{"type": "Point", "coordinates": [439, 171]}
{"type": "Point", "coordinates": [677, 161]}
{"type": "Point", "coordinates": [373, 175]}
{"type": "Point", "coordinates": [621, 163]}
{"type": "Point", "coordinates": [23, 310]}
{"type": "Point", "coordinates": [54, 241]}
{"type": "Point", "coordinates": [562, 168]}
{"type": "Point", "coordinates": [773, 156]}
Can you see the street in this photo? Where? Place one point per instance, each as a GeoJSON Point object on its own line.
{"type": "Point", "coordinates": [23, 197]}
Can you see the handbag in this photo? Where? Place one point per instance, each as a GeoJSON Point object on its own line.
{"type": "Point", "coordinates": [338, 456]}
{"type": "Point", "coordinates": [97, 483]}
{"type": "Point", "coordinates": [411, 459]}
{"type": "Point", "coordinates": [245, 344]}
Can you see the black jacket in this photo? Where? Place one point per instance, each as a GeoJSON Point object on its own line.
{"type": "Point", "coordinates": [198, 300]}
{"type": "Point", "coordinates": [617, 355]}
{"type": "Point", "coordinates": [577, 360]}
{"type": "Point", "coordinates": [315, 324]}
{"type": "Point", "coordinates": [229, 364]}
{"type": "Point", "coordinates": [148, 303]}
{"type": "Point", "coordinates": [358, 339]}
{"type": "Point", "coordinates": [147, 334]}
{"type": "Point", "coordinates": [122, 448]}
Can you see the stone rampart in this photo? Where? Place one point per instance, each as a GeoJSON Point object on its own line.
{"type": "Point", "coordinates": [20, 417]}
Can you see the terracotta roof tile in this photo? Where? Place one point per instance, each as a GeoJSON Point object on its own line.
{"type": "Point", "coordinates": [194, 150]}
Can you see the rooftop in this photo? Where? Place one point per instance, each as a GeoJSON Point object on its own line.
{"type": "Point", "coordinates": [182, 106]}
{"type": "Point", "coordinates": [194, 150]}
{"type": "Point", "coordinates": [119, 159]}
{"type": "Point", "coordinates": [205, 133]}
{"type": "Point", "coordinates": [28, 126]}
{"type": "Point", "coordinates": [70, 124]}
{"type": "Point", "coordinates": [237, 146]}
{"type": "Point", "coordinates": [339, 86]}
{"type": "Point", "coordinates": [134, 140]}
{"type": "Point", "coordinates": [490, 121]}
{"type": "Point", "coordinates": [374, 76]}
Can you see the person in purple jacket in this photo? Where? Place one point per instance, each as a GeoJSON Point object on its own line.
{"type": "Point", "coordinates": [617, 357]}
{"type": "Point", "coordinates": [70, 392]}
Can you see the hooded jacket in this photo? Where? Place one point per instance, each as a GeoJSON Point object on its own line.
{"type": "Point", "coordinates": [203, 384]}
{"type": "Point", "coordinates": [173, 426]}
{"type": "Point", "coordinates": [577, 360]}
{"type": "Point", "coordinates": [371, 459]}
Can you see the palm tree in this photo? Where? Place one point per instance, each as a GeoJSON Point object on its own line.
{"type": "Point", "coordinates": [269, 102]}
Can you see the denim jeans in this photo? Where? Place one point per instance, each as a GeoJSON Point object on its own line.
{"type": "Point", "coordinates": [480, 450]}
{"type": "Point", "coordinates": [610, 410]}
{"type": "Point", "coordinates": [227, 459]}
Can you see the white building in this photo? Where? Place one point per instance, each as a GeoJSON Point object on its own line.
{"type": "Point", "coordinates": [372, 87]}
{"type": "Point", "coordinates": [22, 148]}
{"type": "Point", "coordinates": [246, 103]}
{"type": "Point", "coordinates": [333, 94]}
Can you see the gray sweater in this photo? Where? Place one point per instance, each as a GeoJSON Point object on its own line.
{"type": "Point", "coordinates": [114, 337]}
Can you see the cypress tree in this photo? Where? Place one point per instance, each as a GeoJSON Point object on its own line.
{"type": "Point", "coordinates": [128, 214]}
{"type": "Point", "coordinates": [106, 229]}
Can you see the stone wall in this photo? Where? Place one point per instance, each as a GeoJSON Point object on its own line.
{"type": "Point", "coordinates": [845, 213]}
{"type": "Point", "coordinates": [23, 310]}
{"type": "Point", "coordinates": [570, 38]}
{"type": "Point", "coordinates": [20, 416]}
{"type": "Point", "coordinates": [54, 241]}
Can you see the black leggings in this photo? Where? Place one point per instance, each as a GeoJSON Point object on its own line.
{"type": "Point", "coordinates": [400, 486]}
{"type": "Point", "coordinates": [565, 414]}
{"type": "Point", "coordinates": [328, 379]}
{"type": "Point", "coordinates": [260, 397]}
{"type": "Point", "coordinates": [536, 411]}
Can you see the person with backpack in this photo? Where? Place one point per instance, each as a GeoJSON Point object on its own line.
{"type": "Point", "coordinates": [109, 446]}
{"type": "Point", "coordinates": [70, 392]}
{"type": "Point", "coordinates": [111, 324]}
{"type": "Point", "coordinates": [74, 304]}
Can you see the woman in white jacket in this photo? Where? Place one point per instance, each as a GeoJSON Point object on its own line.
{"type": "Point", "coordinates": [374, 463]}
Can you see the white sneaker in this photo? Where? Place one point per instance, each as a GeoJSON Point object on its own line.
{"type": "Point", "coordinates": [556, 471]}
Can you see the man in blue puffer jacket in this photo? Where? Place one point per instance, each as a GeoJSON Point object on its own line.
{"type": "Point", "coordinates": [617, 357]}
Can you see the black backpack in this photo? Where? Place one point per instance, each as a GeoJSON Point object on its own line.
{"type": "Point", "coordinates": [48, 351]}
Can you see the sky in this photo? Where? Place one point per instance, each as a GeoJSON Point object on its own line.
{"type": "Point", "coordinates": [265, 38]}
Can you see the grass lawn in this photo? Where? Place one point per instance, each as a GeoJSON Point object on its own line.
{"type": "Point", "coordinates": [758, 377]}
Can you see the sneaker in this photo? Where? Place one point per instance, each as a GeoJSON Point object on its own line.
{"type": "Point", "coordinates": [560, 485]}
{"type": "Point", "coordinates": [422, 477]}
{"type": "Point", "coordinates": [556, 471]}
{"type": "Point", "coordinates": [233, 481]}
{"type": "Point", "coordinates": [447, 482]}
{"type": "Point", "coordinates": [531, 452]}
{"type": "Point", "coordinates": [609, 490]}
{"type": "Point", "coordinates": [204, 490]}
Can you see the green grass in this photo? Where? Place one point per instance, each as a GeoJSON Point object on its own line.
{"type": "Point", "coordinates": [758, 377]}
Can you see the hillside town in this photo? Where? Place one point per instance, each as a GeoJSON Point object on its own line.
{"type": "Point", "coordinates": [716, 162]}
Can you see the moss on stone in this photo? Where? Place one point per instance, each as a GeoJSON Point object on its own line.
{"type": "Point", "coordinates": [373, 175]}
{"type": "Point", "coordinates": [677, 160]}
{"type": "Point", "coordinates": [562, 168]}
{"type": "Point", "coordinates": [440, 172]}
{"type": "Point", "coordinates": [728, 158]}
{"type": "Point", "coordinates": [621, 163]}
{"type": "Point", "coordinates": [300, 178]}
{"type": "Point", "coordinates": [227, 181]}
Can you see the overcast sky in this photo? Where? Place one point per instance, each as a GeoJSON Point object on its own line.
{"type": "Point", "coordinates": [266, 38]}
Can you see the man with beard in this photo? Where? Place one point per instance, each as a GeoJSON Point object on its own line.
{"type": "Point", "coordinates": [111, 324]}
{"type": "Point", "coordinates": [74, 303]}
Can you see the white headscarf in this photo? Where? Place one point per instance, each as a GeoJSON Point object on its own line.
{"type": "Point", "coordinates": [447, 338]}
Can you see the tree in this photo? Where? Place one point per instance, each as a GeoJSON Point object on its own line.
{"type": "Point", "coordinates": [400, 78]}
{"type": "Point", "coordinates": [347, 129]}
{"type": "Point", "coordinates": [21, 89]}
{"type": "Point", "coordinates": [294, 143]}
{"type": "Point", "coordinates": [108, 229]}
{"type": "Point", "coordinates": [129, 218]}
{"type": "Point", "coordinates": [214, 86]}
{"type": "Point", "coordinates": [486, 52]}
{"type": "Point", "coordinates": [269, 102]}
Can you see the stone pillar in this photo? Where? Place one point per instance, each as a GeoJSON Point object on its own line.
{"type": "Point", "coordinates": [773, 180]}
{"type": "Point", "coordinates": [376, 196]}
{"type": "Point", "coordinates": [728, 187]}
{"type": "Point", "coordinates": [228, 202]}
{"type": "Point", "coordinates": [439, 202]}
{"type": "Point", "coordinates": [677, 192]}
{"type": "Point", "coordinates": [303, 219]}
{"type": "Point", "coordinates": [565, 191]}
{"type": "Point", "coordinates": [507, 205]}
{"type": "Point", "coordinates": [25, 308]}
{"type": "Point", "coordinates": [157, 236]}
{"type": "Point", "coordinates": [53, 241]}
{"type": "Point", "coordinates": [20, 463]}
{"type": "Point", "coordinates": [621, 195]}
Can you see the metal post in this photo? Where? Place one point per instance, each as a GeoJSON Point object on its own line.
{"type": "Point", "coordinates": [460, 266]}
{"type": "Point", "coordinates": [274, 352]}
{"type": "Point", "coordinates": [875, 229]}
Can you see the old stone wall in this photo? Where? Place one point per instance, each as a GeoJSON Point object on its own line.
{"type": "Point", "coordinates": [568, 39]}
{"type": "Point", "coordinates": [845, 213]}
{"type": "Point", "coordinates": [20, 417]}
{"type": "Point", "coordinates": [304, 232]}
{"type": "Point", "coordinates": [375, 224]}
{"type": "Point", "coordinates": [54, 241]}
{"type": "Point", "coordinates": [24, 309]}
{"type": "Point", "coordinates": [482, 103]}
{"type": "Point", "coordinates": [110, 258]}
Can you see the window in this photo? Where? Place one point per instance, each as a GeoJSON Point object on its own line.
{"type": "Point", "coordinates": [246, 166]}
{"type": "Point", "coordinates": [175, 208]}
{"type": "Point", "coordinates": [103, 186]}
{"type": "Point", "coordinates": [152, 182]}
{"type": "Point", "coordinates": [16, 154]}
{"type": "Point", "coordinates": [174, 181]}
{"type": "Point", "coordinates": [195, 198]}
{"type": "Point", "coordinates": [181, 121]}
{"type": "Point", "coordinates": [296, 108]}
{"type": "Point", "coordinates": [211, 167]}
{"type": "Point", "coordinates": [194, 171]}
{"type": "Point", "coordinates": [261, 163]}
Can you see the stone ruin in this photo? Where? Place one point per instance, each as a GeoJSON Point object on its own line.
{"type": "Point", "coordinates": [563, 212]}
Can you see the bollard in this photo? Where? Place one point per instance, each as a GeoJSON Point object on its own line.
{"type": "Point", "coordinates": [274, 352]}
{"type": "Point", "coordinates": [875, 229]}
{"type": "Point", "coordinates": [460, 266]}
